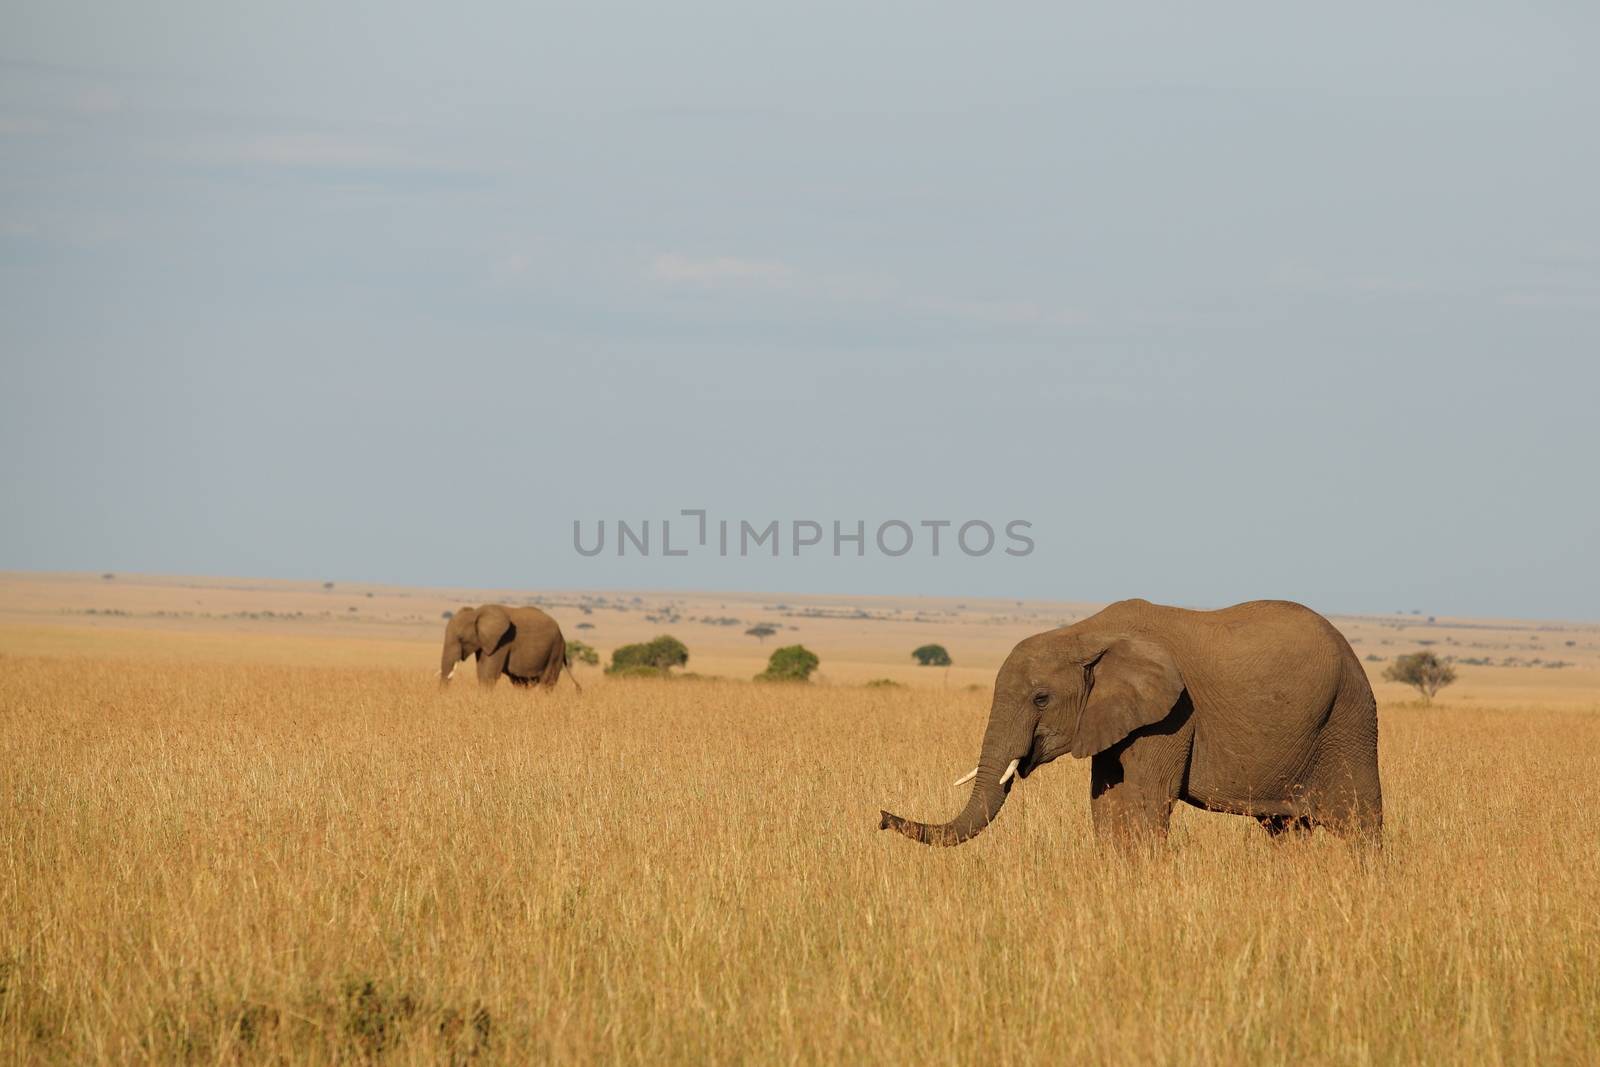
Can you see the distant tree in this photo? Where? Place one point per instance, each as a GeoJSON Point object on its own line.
{"type": "Point", "coordinates": [884, 683]}
{"type": "Point", "coordinates": [578, 652]}
{"type": "Point", "coordinates": [792, 663]}
{"type": "Point", "coordinates": [931, 656]}
{"type": "Point", "coordinates": [1423, 671]}
{"type": "Point", "coordinates": [761, 631]}
{"type": "Point", "coordinates": [327, 585]}
{"type": "Point", "coordinates": [108, 576]}
{"type": "Point", "coordinates": [586, 626]}
{"type": "Point", "coordinates": [660, 655]}
{"type": "Point", "coordinates": [447, 615]}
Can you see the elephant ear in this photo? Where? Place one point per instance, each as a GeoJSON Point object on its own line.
{"type": "Point", "coordinates": [1134, 682]}
{"type": "Point", "coordinates": [493, 625]}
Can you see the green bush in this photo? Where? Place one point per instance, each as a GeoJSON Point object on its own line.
{"type": "Point", "coordinates": [884, 683]}
{"type": "Point", "coordinates": [659, 656]}
{"type": "Point", "coordinates": [793, 663]}
{"type": "Point", "coordinates": [578, 652]}
{"type": "Point", "coordinates": [931, 656]}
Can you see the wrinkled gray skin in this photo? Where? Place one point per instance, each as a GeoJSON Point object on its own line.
{"type": "Point", "coordinates": [524, 644]}
{"type": "Point", "coordinates": [1260, 709]}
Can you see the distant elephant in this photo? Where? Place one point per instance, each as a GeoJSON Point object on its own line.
{"type": "Point", "coordinates": [1260, 709]}
{"type": "Point", "coordinates": [524, 644]}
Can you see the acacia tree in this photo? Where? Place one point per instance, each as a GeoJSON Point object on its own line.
{"type": "Point", "coordinates": [931, 656]}
{"type": "Point", "coordinates": [658, 656]}
{"type": "Point", "coordinates": [1423, 671]}
{"type": "Point", "coordinates": [761, 631]}
{"type": "Point", "coordinates": [793, 663]}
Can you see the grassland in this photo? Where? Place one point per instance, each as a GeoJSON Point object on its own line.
{"type": "Point", "coordinates": [209, 858]}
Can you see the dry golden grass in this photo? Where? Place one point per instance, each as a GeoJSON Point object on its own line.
{"type": "Point", "coordinates": [214, 862]}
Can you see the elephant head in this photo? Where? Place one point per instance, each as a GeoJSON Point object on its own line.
{"type": "Point", "coordinates": [472, 631]}
{"type": "Point", "coordinates": [1058, 692]}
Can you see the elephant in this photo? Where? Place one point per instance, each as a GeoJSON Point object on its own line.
{"type": "Point", "coordinates": [524, 644]}
{"type": "Point", "coordinates": [1261, 709]}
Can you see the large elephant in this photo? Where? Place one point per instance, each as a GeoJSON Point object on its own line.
{"type": "Point", "coordinates": [524, 644]}
{"type": "Point", "coordinates": [1260, 709]}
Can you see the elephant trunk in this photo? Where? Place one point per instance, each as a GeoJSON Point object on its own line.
{"type": "Point", "coordinates": [1008, 739]}
{"type": "Point", "coordinates": [448, 660]}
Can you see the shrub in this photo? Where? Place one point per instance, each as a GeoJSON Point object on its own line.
{"type": "Point", "coordinates": [792, 663]}
{"type": "Point", "coordinates": [447, 615]}
{"type": "Point", "coordinates": [578, 652]}
{"type": "Point", "coordinates": [639, 670]}
{"type": "Point", "coordinates": [884, 683]}
{"type": "Point", "coordinates": [660, 656]}
{"type": "Point", "coordinates": [931, 656]}
{"type": "Point", "coordinates": [761, 631]}
{"type": "Point", "coordinates": [1423, 671]}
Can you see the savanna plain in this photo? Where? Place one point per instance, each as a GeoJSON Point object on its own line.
{"type": "Point", "coordinates": [242, 823]}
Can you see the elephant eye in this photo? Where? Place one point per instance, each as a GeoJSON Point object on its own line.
{"type": "Point", "coordinates": [1041, 700]}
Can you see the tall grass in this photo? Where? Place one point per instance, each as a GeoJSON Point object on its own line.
{"type": "Point", "coordinates": [219, 863]}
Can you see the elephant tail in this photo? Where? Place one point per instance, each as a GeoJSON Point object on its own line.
{"type": "Point", "coordinates": [552, 674]}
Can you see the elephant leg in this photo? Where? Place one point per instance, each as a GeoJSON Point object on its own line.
{"type": "Point", "coordinates": [1345, 814]}
{"type": "Point", "coordinates": [1344, 792]}
{"type": "Point", "coordinates": [1279, 825]}
{"type": "Point", "coordinates": [1133, 785]}
{"type": "Point", "coordinates": [492, 665]}
{"type": "Point", "coordinates": [1124, 814]}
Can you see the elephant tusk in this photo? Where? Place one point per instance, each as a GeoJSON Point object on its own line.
{"type": "Point", "coordinates": [1004, 778]}
{"type": "Point", "coordinates": [451, 675]}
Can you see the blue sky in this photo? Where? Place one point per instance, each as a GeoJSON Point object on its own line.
{"type": "Point", "coordinates": [1230, 302]}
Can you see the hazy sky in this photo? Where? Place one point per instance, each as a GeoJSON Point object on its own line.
{"type": "Point", "coordinates": [1229, 301]}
